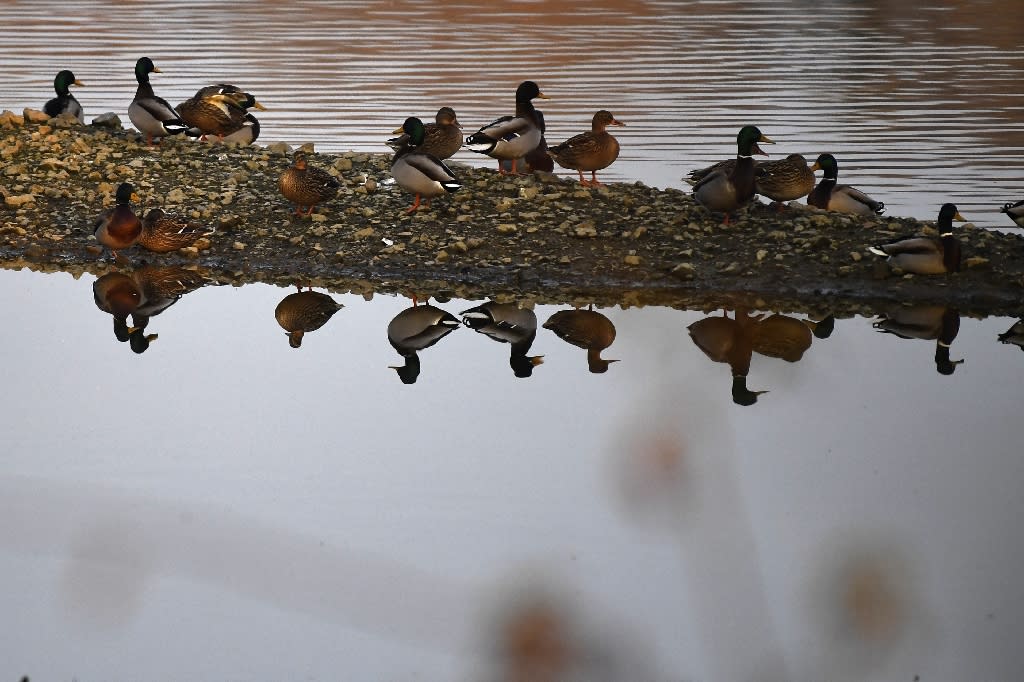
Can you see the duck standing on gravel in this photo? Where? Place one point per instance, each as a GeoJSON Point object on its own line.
{"type": "Point", "coordinates": [927, 255]}
{"type": "Point", "coordinates": [305, 185]}
{"type": "Point", "coordinates": [419, 172]}
{"type": "Point", "coordinates": [782, 180]}
{"type": "Point", "coordinates": [724, 191]}
{"type": "Point", "coordinates": [1015, 212]}
{"type": "Point", "coordinates": [151, 115]}
{"type": "Point", "coordinates": [591, 151]}
{"type": "Point", "coordinates": [118, 227]}
{"type": "Point", "coordinates": [64, 102]}
{"type": "Point", "coordinates": [511, 137]}
{"type": "Point", "coordinates": [842, 198]}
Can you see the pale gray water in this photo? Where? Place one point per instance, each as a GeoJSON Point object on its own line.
{"type": "Point", "coordinates": [224, 507]}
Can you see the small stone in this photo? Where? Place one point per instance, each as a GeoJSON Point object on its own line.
{"type": "Point", "coordinates": [684, 271]}
{"type": "Point", "coordinates": [441, 256]}
{"type": "Point", "coordinates": [107, 120]}
{"type": "Point", "coordinates": [363, 233]}
{"type": "Point", "coordinates": [370, 185]}
{"type": "Point", "coordinates": [343, 164]}
{"type": "Point", "coordinates": [238, 246]}
{"type": "Point", "coordinates": [279, 148]}
{"type": "Point", "coordinates": [631, 259]}
{"type": "Point", "coordinates": [9, 119]}
{"type": "Point", "coordinates": [976, 262]}
{"type": "Point", "coordinates": [761, 254]}
{"type": "Point", "coordinates": [506, 228]}
{"type": "Point", "coordinates": [318, 218]}
{"type": "Point", "coordinates": [18, 199]}
{"type": "Point", "coordinates": [856, 256]}
{"type": "Point", "coordinates": [36, 116]}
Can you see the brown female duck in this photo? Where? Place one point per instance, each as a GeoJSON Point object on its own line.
{"type": "Point", "coordinates": [591, 151]}
{"type": "Point", "coordinates": [587, 329]}
{"type": "Point", "coordinates": [305, 185]}
{"type": "Point", "coordinates": [118, 227]}
{"type": "Point", "coordinates": [782, 180]}
{"type": "Point", "coordinates": [163, 232]}
{"type": "Point", "coordinates": [218, 109]}
{"type": "Point", "coordinates": [441, 139]}
{"type": "Point", "coordinates": [304, 311]}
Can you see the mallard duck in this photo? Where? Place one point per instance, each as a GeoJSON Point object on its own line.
{"type": "Point", "coordinates": [414, 329]}
{"type": "Point", "coordinates": [118, 227]}
{"type": "Point", "coordinates": [538, 159]}
{"type": "Point", "coordinates": [218, 109]}
{"type": "Point", "coordinates": [927, 255]}
{"type": "Point", "coordinates": [163, 232]}
{"type": "Point", "coordinates": [586, 329]}
{"type": "Point", "coordinates": [1014, 335]}
{"type": "Point", "coordinates": [441, 139]}
{"type": "Point", "coordinates": [423, 174]}
{"type": "Point", "coordinates": [725, 192]}
{"type": "Point", "coordinates": [507, 323]}
{"type": "Point", "coordinates": [783, 337]}
{"type": "Point", "coordinates": [306, 185]}
{"type": "Point", "coordinates": [304, 311]}
{"type": "Point", "coordinates": [64, 102]}
{"type": "Point", "coordinates": [247, 134]}
{"type": "Point", "coordinates": [511, 137]}
{"type": "Point", "coordinates": [151, 115]}
{"type": "Point", "coordinates": [119, 295]}
{"type": "Point", "coordinates": [781, 180]}
{"type": "Point", "coordinates": [731, 341]}
{"type": "Point", "coordinates": [925, 322]}
{"type": "Point", "coordinates": [1015, 212]}
{"type": "Point", "coordinates": [843, 198]}
{"type": "Point", "coordinates": [591, 151]}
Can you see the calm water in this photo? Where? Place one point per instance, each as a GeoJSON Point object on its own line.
{"type": "Point", "coordinates": [226, 507]}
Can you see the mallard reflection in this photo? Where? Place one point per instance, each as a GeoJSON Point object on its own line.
{"type": "Point", "coordinates": [728, 340]}
{"type": "Point", "coordinates": [926, 322]}
{"type": "Point", "coordinates": [587, 329]}
{"type": "Point", "coordinates": [416, 328]}
{"type": "Point", "coordinates": [143, 293]}
{"type": "Point", "coordinates": [304, 311]}
{"type": "Point", "coordinates": [1014, 335]}
{"type": "Point", "coordinates": [734, 340]}
{"type": "Point", "coordinates": [507, 323]}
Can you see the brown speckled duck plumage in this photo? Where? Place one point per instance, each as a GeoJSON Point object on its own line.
{"type": "Point", "coordinates": [304, 311]}
{"type": "Point", "coordinates": [591, 151]}
{"type": "Point", "coordinates": [306, 185]}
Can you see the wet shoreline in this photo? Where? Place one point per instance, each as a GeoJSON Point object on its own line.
{"type": "Point", "coordinates": [530, 238]}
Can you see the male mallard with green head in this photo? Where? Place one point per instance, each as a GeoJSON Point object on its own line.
{"type": "Point", "coordinates": [591, 151]}
{"type": "Point", "coordinates": [163, 232]}
{"type": "Point", "coordinates": [418, 172]}
{"type": "Point", "coordinates": [118, 227]}
{"type": "Point", "coordinates": [416, 328]}
{"type": "Point", "coordinates": [441, 139]}
{"type": "Point", "coordinates": [726, 191]}
{"type": "Point", "coordinates": [843, 198]}
{"type": "Point", "coordinates": [306, 185]}
{"type": "Point", "coordinates": [64, 102]}
{"type": "Point", "coordinates": [782, 180]}
{"type": "Point", "coordinates": [927, 255]}
{"type": "Point", "coordinates": [152, 115]}
{"type": "Point", "coordinates": [511, 137]}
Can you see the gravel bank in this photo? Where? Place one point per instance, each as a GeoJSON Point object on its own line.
{"type": "Point", "coordinates": [539, 238]}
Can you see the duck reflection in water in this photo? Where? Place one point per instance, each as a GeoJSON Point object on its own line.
{"type": "Point", "coordinates": [1014, 335]}
{"type": "Point", "coordinates": [734, 341]}
{"type": "Point", "coordinates": [143, 293]}
{"type": "Point", "coordinates": [416, 328]}
{"type": "Point", "coordinates": [926, 322]}
{"type": "Point", "coordinates": [507, 323]}
{"type": "Point", "coordinates": [587, 329]}
{"type": "Point", "coordinates": [304, 311]}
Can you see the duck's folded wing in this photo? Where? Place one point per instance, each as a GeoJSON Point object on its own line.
{"type": "Point", "coordinates": [504, 128]}
{"type": "Point", "coordinates": [431, 166]}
